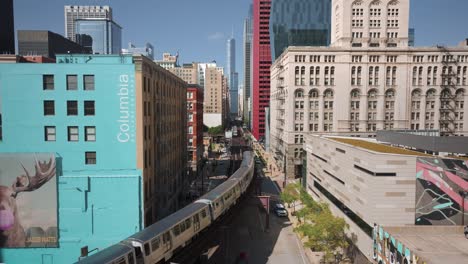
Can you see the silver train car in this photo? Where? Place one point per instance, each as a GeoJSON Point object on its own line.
{"type": "Point", "coordinates": [158, 242]}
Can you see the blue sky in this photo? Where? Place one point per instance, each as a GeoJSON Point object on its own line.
{"type": "Point", "coordinates": [199, 29]}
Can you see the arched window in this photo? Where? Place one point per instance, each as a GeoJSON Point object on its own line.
{"type": "Point", "coordinates": [314, 93]}
{"type": "Point", "coordinates": [445, 94]}
{"type": "Point", "coordinates": [431, 93]}
{"type": "Point", "coordinates": [416, 93]}
{"type": "Point", "coordinates": [355, 94]}
{"type": "Point", "coordinates": [390, 94]}
{"type": "Point", "coordinates": [328, 93]}
{"type": "Point", "coordinates": [299, 93]}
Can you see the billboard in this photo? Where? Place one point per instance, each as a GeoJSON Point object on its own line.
{"type": "Point", "coordinates": [28, 198]}
{"type": "Point", "coordinates": [441, 185]}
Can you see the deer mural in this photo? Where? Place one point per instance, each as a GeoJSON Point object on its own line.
{"type": "Point", "coordinates": [12, 234]}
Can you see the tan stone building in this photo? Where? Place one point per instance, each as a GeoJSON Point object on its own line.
{"type": "Point", "coordinates": [214, 108]}
{"type": "Point", "coordinates": [162, 137]}
{"type": "Point", "coordinates": [369, 79]}
{"type": "Point", "coordinates": [188, 72]}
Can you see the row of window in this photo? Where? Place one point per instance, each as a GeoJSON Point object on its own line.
{"type": "Point", "coordinates": [48, 82]}
{"type": "Point", "coordinates": [50, 133]}
{"type": "Point", "coordinates": [72, 108]}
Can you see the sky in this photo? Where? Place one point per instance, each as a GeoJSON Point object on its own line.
{"type": "Point", "coordinates": [198, 30]}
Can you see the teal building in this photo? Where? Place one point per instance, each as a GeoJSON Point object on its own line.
{"type": "Point", "coordinates": [84, 110]}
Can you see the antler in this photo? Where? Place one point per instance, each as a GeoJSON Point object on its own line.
{"type": "Point", "coordinates": [44, 172]}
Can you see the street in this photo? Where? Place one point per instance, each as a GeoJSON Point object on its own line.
{"type": "Point", "coordinates": [245, 232]}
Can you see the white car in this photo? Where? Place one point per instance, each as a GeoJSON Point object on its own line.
{"type": "Point", "coordinates": [280, 210]}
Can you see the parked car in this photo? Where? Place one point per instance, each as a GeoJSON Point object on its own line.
{"type": "Point", "coordinates": [280, 210]}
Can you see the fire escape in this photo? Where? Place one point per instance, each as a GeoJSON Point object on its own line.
{"type": "Point", "coordinates": [280, 98]}
{"type": "Point", "coordinates": [448, 93]}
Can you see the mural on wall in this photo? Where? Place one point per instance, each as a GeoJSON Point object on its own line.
{"type": "Point", "coordinates": [28, 199]}
{"type": "Point", "coordinates": [388, 250]}
{"type": "Point", "coordinates": [440, 187]}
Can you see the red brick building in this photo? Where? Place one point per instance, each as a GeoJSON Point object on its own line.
{"type": "Point", "coordinates": [195, 127]}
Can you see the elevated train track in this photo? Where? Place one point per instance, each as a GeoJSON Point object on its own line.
{"type": "Point", "coordinates": [161, 241]}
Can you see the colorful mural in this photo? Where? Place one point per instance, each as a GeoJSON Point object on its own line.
{"type": "Point", "coordinates": [28, 199]}
{"type": "Point", "coordinates": [440, 187]}
{"type": "Point", "coordinates": [388, 250]}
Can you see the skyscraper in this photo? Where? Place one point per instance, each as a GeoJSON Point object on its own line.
{"type": "Point", "coordinates": [102, 36]}
{"type": "Point", "coordinates": [260, 65]}
{"type": "Point", "coordinates": [247, 66]}
{"type": "Point", "coordinates": [72, 13]}
{"type": "Point", "coordinates": [7, 28]}
{"type": "Point", "coordinates": [232, 75]}
{"type": "Point", "coordinates": [299, 23]}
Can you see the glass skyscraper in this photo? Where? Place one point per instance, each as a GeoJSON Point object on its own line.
{"type": "Point", "coordinates": [102, 36]}
{"type": "Point", "coordinates": [299, 23]}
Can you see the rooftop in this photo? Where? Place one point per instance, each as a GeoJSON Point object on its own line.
{"type": "Point", "coordinates": [433, 244]}
{"type": "Point", "coordinates": [378, 147]}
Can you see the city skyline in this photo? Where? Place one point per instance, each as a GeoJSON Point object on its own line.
{"type": "Point", "coordinates": [207, 42]}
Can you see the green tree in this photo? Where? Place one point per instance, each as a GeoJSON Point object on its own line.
{"type": "Point", "coordinates": [324, 231]}
{"type": "Point", "coordinates": [291, 194]}
{"type": "Point", "coordinates": [213, 131]}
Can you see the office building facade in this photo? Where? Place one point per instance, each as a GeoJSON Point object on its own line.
{"type": "Point", "coordinates": [47, 44]}
{"type": "Point", "coordinates": [73, 13]}
{"type": "Point", "coordinates": [7, 30]}
{"type": "Point", "coordinates": [260, 66]}
{"type": "Point", "coordinates": [366, 81]}
{"type": "Point", "coordinates": [188, 72]}
{"type": "Point", "coordinates": [117, 127]}
{"type": "Point", "coordinates": [232, 75]}
{"type": "Point", "coordinates": [214, 107]}
{"type": "Point", "coordinates": [101, 36]}
{"type": "Point", "coordinates": [248, 31]}
{"type": "Point", "coordinates": [299, 23]}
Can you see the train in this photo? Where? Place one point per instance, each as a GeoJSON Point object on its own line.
{"type": "Point", "coordinates": [158, 242]}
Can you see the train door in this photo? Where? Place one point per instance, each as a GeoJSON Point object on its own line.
{"type": "Point", "coordinates": [196, 223]}
{"type": "Point", "coordinates": [167, 244]}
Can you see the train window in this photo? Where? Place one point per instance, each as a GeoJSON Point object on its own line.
{"type": "Point", "coordinates": [196, 218]}
{"type": "Point", "coordinates": [166, 237]}
{"type": "Point", "coordinates": [120, 261]}
{"type": "Point", "coordinates": [155, 244]}
{"type": "Point", "coordinates": [182, 227]}
{"type": "Point", "coordinates": [188, 223]}
{"type": "Point", "coordinates": [176, 230]}
{"type": "Point", "coordinates": [130, 258]}
{"type": "Point", "coordinates": [147, 249]}
{"type": "Point", "coordinates": [203, 213]}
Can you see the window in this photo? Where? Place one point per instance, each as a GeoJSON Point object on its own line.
{"type": "Point", "coordinates": [190, 117]}
{"type": "Point", "coordinates": [90, 133]}
{"type": "Point", "coordinates": [90, 157]}
{"type": "Point", "coordinates": [49, 107]}
{"type": "Point", "coordinates": [88, 81]}
{"type": "Point", "coordinates": [72, 108]}
{"type": "Point", "coordinates": [49, 133]}
{"type": "Point", "coordinates": [89, 108]}
{"type": "Point", "coordinates": [72, 82]}
{"type": "Point", "coordinates": [48, 82]}
{"type": "Point", "coordinates": [73, 133]}
{"type": "Point", "coordinates": [190, 130]}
